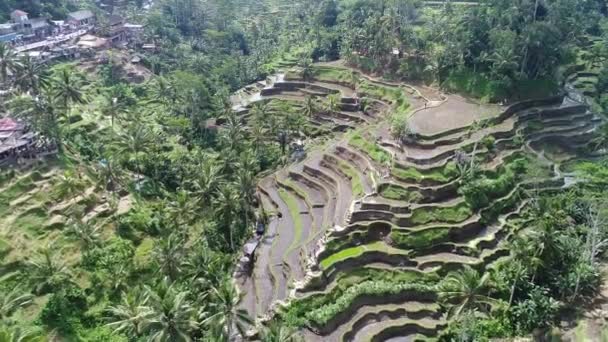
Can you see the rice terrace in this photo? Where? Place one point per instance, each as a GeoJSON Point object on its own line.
{"type": "Point", "coordinates": [303, 170]}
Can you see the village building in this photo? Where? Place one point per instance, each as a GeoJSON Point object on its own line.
{"type": "Point", "coordinates": [7, 33]}
{"type": "Point", "coordinates": [81, 18]}
{"type": "Point", "coordinates": [36, 28]}
{"type": "Point", "coordinates": [116, 31]}
{"type": "Point", "coordinates": [18, 143]}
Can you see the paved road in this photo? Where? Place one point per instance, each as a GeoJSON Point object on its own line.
{"type": "Point", "coordinates": [51, 41]}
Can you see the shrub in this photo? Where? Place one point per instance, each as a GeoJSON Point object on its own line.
{"type": "Point", "coordinates": [422, 239]}
{"type": "Point", "coordinates": [396, 192]}
{"type": "Point", "coordinates": [443, 174]}
{"type": "Point", "coordinates": [64, 309]}
{"type": "Point", "coordinates": [378, 154]}
{"type": "Point", "coordinates": [481, 191]}
{"type": "Point", "coordinates": [320, 316]}
{"type": "Point", "coordinates": [453, 214]}
{"type": "Point", "coordinates": [538, 311]}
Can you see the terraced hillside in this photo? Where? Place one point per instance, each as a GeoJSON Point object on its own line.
{"type": "Point", "coordinates": [365, 226]}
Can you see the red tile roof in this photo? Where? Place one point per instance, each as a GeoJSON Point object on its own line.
{"type": "Point", "coordinates": [19, 13]}
{"type": "Point", "coordinates": [8, 124]}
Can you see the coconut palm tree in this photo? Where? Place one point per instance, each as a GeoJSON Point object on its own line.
{"type": "Point", "coordinates": [70, 185]}
{"type": "Point", "coordinates": [310, 107]}
{"type": "Point", "coordinates": [134, 142]}
{"type": "Point", "coordinates": [130, 316]}
{"type": "Point", "coordinates": [31, 76]}
{"type": "Point", "coordinates": [305, 64]}
{"type": "Point", "coordinates": [207, 181]}
{"type": "Point", "coordinates": [109, 174]}
{"type": "Point", "coordinates": [11, 301]}
{"type": "Point", "coordinates": [46, 271]}
{"type": "Point", "coordinates": [182, 209]}
{"type": "Point", "coordinates": [169, 252]}
{"type": "Point", "coordinates": [88, 235]}
{"type": "Point", "coordinates": [173, 316]}
{"type": "Point", "coordinates": [9, 62]}
{"type": "Point", "coordinates": [18, 334]}
{"type": "Point", "coordinates": [245, 185]}
{"type": "Point", "coordinates": [276, 332]}
{"type": "Point", "coordinates": [466, 290]}
{"type": "Point", "coordinates": [224, 311]}
{"type": "Point", "coordinates": [112, 107]}
{"type": "Point", "coordinates": [67, 88]}
{"type": "Point", "coordinates": [332, 103]}
{"type": "Point", "coordinates": [163, 90]}
{"type": "Point", "coordinates": [226, 204]}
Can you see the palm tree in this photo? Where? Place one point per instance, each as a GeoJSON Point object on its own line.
{"type": "Point", "coordinates": [173, 316]}
{"type": "Point", "coordinates": [130, 315]}
{"type": "Point", "coordinates": [305, 64]}
{"type": "Point", "coordinates": [226, 202]}
{"type": "Point", "coordinates": [9, 61]}
{"type": "Point", "coordinates": [31, 76]}
{"type": "Point", "coordinates": [18, 334]}
{"type": "Point", "coordinates": [67, 88]}
{"type": "Point", "coordinates": [245, 186]}
{"type": "Point", "coordinates": [163, 90]}
{"type": "Point", "coordinates": [466, 290]}
{"type": "Point", "coordinates": [224, 310]}
{"type": "Point", "coordinates": [332, 104]}
{"type": "Point", "coordinates": [170, 252]}
{"type": "Point", "coordinates": [234, 131]}
{"type": "Point", "coordinates": [47, 271]}
{"type": "Point", "coordinates": [209, 177]}
{"type": "Point", "coordinates": [205, 267]}
{"type": "Point", "coordinates": [11, 301]}
{"type": "Point", "coordinates": [87, 234]}
{"type": "Point", "coordinates": [183, 210]}
{"type": "Point", "coordinates": [109, 174]}
{"type": "Point", "coordinates": [310, 107]}
{"type": "Point", "coordinates": [113, 108]}
{"type": "Point", "coordinates": [136, 140]}
{"type": "Point", "coordinates": [69, 185]}
{"type": "Point", "coordinates": [276, 332]}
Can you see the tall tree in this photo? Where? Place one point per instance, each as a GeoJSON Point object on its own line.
{"type": "Point", "coordinates": [466, 290]}
{"type": "Point", "coordinates": [67, 88]}
{"type": "Point", "coordinates": [224, 310]}
{"type": "Point", "coordinates": [9, 62]}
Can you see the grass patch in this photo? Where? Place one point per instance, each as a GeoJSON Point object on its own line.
{"type": "Point", "coordinates": [353, 252]}
{"type": "Point", "coordinates": [294, 210]}
{"type": "Point", "coordinates": [370, 148]}
{"type": "Point", "coordinates": [396, 192]}
{"type": "Point", "coordinates": [443, 174]}
{"type": "Point", "coordinates": [355, 180]}
{"type": "Point", "coordinates": [319, 309]}
{"type": "Point", "coordinates": [455, 214]}
{"type": "Point", "coordinates": [32, 220]}
{"type": "Point", "coordinates": [479, 192]}
{"type": "Point", "coordinates": [420, 239]}
{"type": "Point", "coordinates": [5, 248]}
{"type": "Point", "coordinates": [143, 253]}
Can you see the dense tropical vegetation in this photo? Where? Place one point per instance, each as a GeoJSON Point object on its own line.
{"type": "Point", "coordinates": [162, 269]}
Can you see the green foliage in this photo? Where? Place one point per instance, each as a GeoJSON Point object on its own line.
{"type": "Point", "coordinates": [481, 191]}
{"type": "Point", "coordinates": [375, 152]}
{"type": "Point", "coordinates": [442, 174]}
{"type": "Point", "coordinates": [64, 309]}
{"type": "Point", "coordinates": [457, 213]}
{"type": "Point", "coordinates": [420, 239]}
{"type": "Point", "coordinates": [395, 192]}
{"type": "Point", "coordinates": [319, 310]}
{"type": "Point", "coordinates": [538, 311]}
